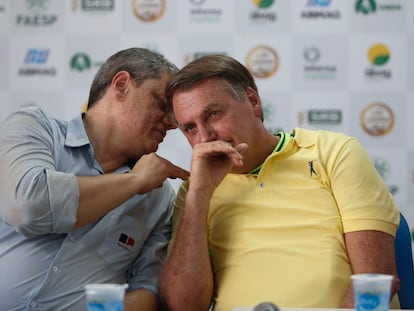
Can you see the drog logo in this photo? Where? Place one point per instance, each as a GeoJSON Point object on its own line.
{"type": "Point", "coordinates": [378, 54]}
{"type": "Point", "coordinates": [263, 4]}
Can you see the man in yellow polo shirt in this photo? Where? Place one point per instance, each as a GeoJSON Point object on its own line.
{"type": "Point", "coordinates": [285, 218]}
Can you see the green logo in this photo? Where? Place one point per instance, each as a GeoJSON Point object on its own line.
{"type": "Point", "coordinates": [263, 4]}
{"type": "Point", "coordinates": [378, 54]}
{"type": "Point", "coordinates": [80, 62]}
{"type": "Point", "coordinates": [366, 6]}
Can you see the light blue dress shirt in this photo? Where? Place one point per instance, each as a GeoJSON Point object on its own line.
{"type": "Point", "coordinates": [44, 262]}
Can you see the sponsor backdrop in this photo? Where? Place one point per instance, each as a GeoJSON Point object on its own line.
{"type": "Point", "coordinates": [341, 65]}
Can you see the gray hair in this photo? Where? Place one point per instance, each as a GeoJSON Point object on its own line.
{"type": "Point", "coordinates": [142, 64]}
{"type": "Point", "coordinates": [235, 76]}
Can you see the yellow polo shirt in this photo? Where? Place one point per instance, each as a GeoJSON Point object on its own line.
{"type": "Point", "coordinates": [279, 235]}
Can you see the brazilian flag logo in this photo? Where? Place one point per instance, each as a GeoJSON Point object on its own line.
{"type": "Point", "coordinates": [378, 54]}
{"type": "Point", "coordinates": [263, 4]}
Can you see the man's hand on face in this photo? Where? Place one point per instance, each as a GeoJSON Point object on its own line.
{"type": "Point", "coordinates": [211, 161]}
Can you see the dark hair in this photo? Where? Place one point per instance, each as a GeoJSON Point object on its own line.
{"type": "Point", "coordinates": [236, 76]}
{"type": "Point", "coordinates": [140, 63]}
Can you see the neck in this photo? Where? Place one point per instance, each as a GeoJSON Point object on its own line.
{"type": "Point", "coordinates": [258, 153]}
{"type": "Point", "coordinates": [100, 137]}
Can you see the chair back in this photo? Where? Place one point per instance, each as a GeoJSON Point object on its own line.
{"type": "Point", "coordinates": [404, 262]}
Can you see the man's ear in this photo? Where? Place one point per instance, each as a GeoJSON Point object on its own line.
{"type": "Point", "coordinates": [254, 100]}
{"type": "Point", "coordinates": [120, 83]}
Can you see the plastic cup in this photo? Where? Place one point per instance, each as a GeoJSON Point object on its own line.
{"type": "Point", "coordinates": [372, 291]}
{"type": "Point", "coordinates": [105, 297]}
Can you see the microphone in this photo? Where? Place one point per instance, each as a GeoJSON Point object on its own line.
{"type": "Point", "coordinates": [266, 306]}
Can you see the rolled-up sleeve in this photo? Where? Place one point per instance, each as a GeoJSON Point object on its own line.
{"type": "Point", "coordinates": [36, 199]}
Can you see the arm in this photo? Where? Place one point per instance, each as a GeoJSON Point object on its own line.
{"type": "Point", "coordinates": [39, 199]}
{"type": "Point", "coordinates": [141, 299]}
{"type": "Point", "coordinates": [369, 215]}
{"type": "Point", "coordinates": [187, 278]}
{"type": "Point", "coordinates": [100, 194]}
{"type": "Point", "coordinates": [370, 252]}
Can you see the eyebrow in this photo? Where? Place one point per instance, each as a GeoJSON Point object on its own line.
{"type": "Point", "coordinates": [210, 107]}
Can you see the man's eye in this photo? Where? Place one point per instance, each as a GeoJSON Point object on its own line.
{"type": "Point", "coordinates": [189, 128]}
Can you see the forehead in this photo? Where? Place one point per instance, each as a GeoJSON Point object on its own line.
{"type": "Point", "coordinates": [201, 93]}
{"type": "Point", "coordinates": [156, 85]}
{"type": "Point", "coordinates": [200, 99]}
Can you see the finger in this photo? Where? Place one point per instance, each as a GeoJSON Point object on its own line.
{"type": "Point", "coordinates": [241, 148]}
{"type": "Point", "coordinates": [178, 172]}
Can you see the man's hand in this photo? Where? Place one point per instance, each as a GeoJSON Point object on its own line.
{"type": "Point", "coordinates": [154, 169]}
{"type": "Point", "coordinates": [211, 161]}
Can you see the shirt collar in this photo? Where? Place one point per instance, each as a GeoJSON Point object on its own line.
{"type": "Point", "coordinates": [76, 134]}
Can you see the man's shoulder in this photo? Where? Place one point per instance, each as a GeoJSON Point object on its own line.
{"type": "Point", "coordinates": [306, 137]}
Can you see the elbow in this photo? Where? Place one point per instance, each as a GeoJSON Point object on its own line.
{"type": "Point", "coordinates": [395, 286]}
{"type": "Point", "coordinates": [26, 216]}
{"type": "Point", "coordinates": [185, 303]}
{"type": "Point", "coordinates": [178, 300]}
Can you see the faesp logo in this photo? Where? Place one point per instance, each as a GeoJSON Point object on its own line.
{"type": "Point", "coordinates": [38, 18]}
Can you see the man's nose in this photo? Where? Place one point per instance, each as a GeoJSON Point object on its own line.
{"type": "Point", "coordinates": [206, 134]}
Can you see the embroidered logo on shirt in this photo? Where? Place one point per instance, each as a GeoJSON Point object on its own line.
{"type": "Point", "coordinates": [311, 168]}
{"type": "Point", "coordinates": [126, 241]}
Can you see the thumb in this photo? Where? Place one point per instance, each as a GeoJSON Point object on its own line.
{"type": "Point", "coordinates": [241, 148]}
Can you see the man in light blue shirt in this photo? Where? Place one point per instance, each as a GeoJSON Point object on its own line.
{"type": "Point", "coordinates": [87, 201]}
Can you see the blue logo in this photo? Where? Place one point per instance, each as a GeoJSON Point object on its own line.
{"type": "Point", "coordinates": [369, 301]}
{"type": "Point", "coordinates": [36, 56]}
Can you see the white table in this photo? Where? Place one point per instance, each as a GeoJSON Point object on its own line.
{"type": "Point", "coordinates": [308, 309]}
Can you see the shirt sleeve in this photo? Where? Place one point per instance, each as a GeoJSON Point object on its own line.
{"type": "Point", "coordinates": [29, 178]}
{"type": "Point", "coordinates": [178, 210]}
{"type": "Point", "coordinates": [146, 269]}
{"type": "Point", "coordinates": [363, 198]}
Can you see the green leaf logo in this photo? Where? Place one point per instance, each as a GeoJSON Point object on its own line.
{"type": "Point", "coordinates": [263, 4]}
